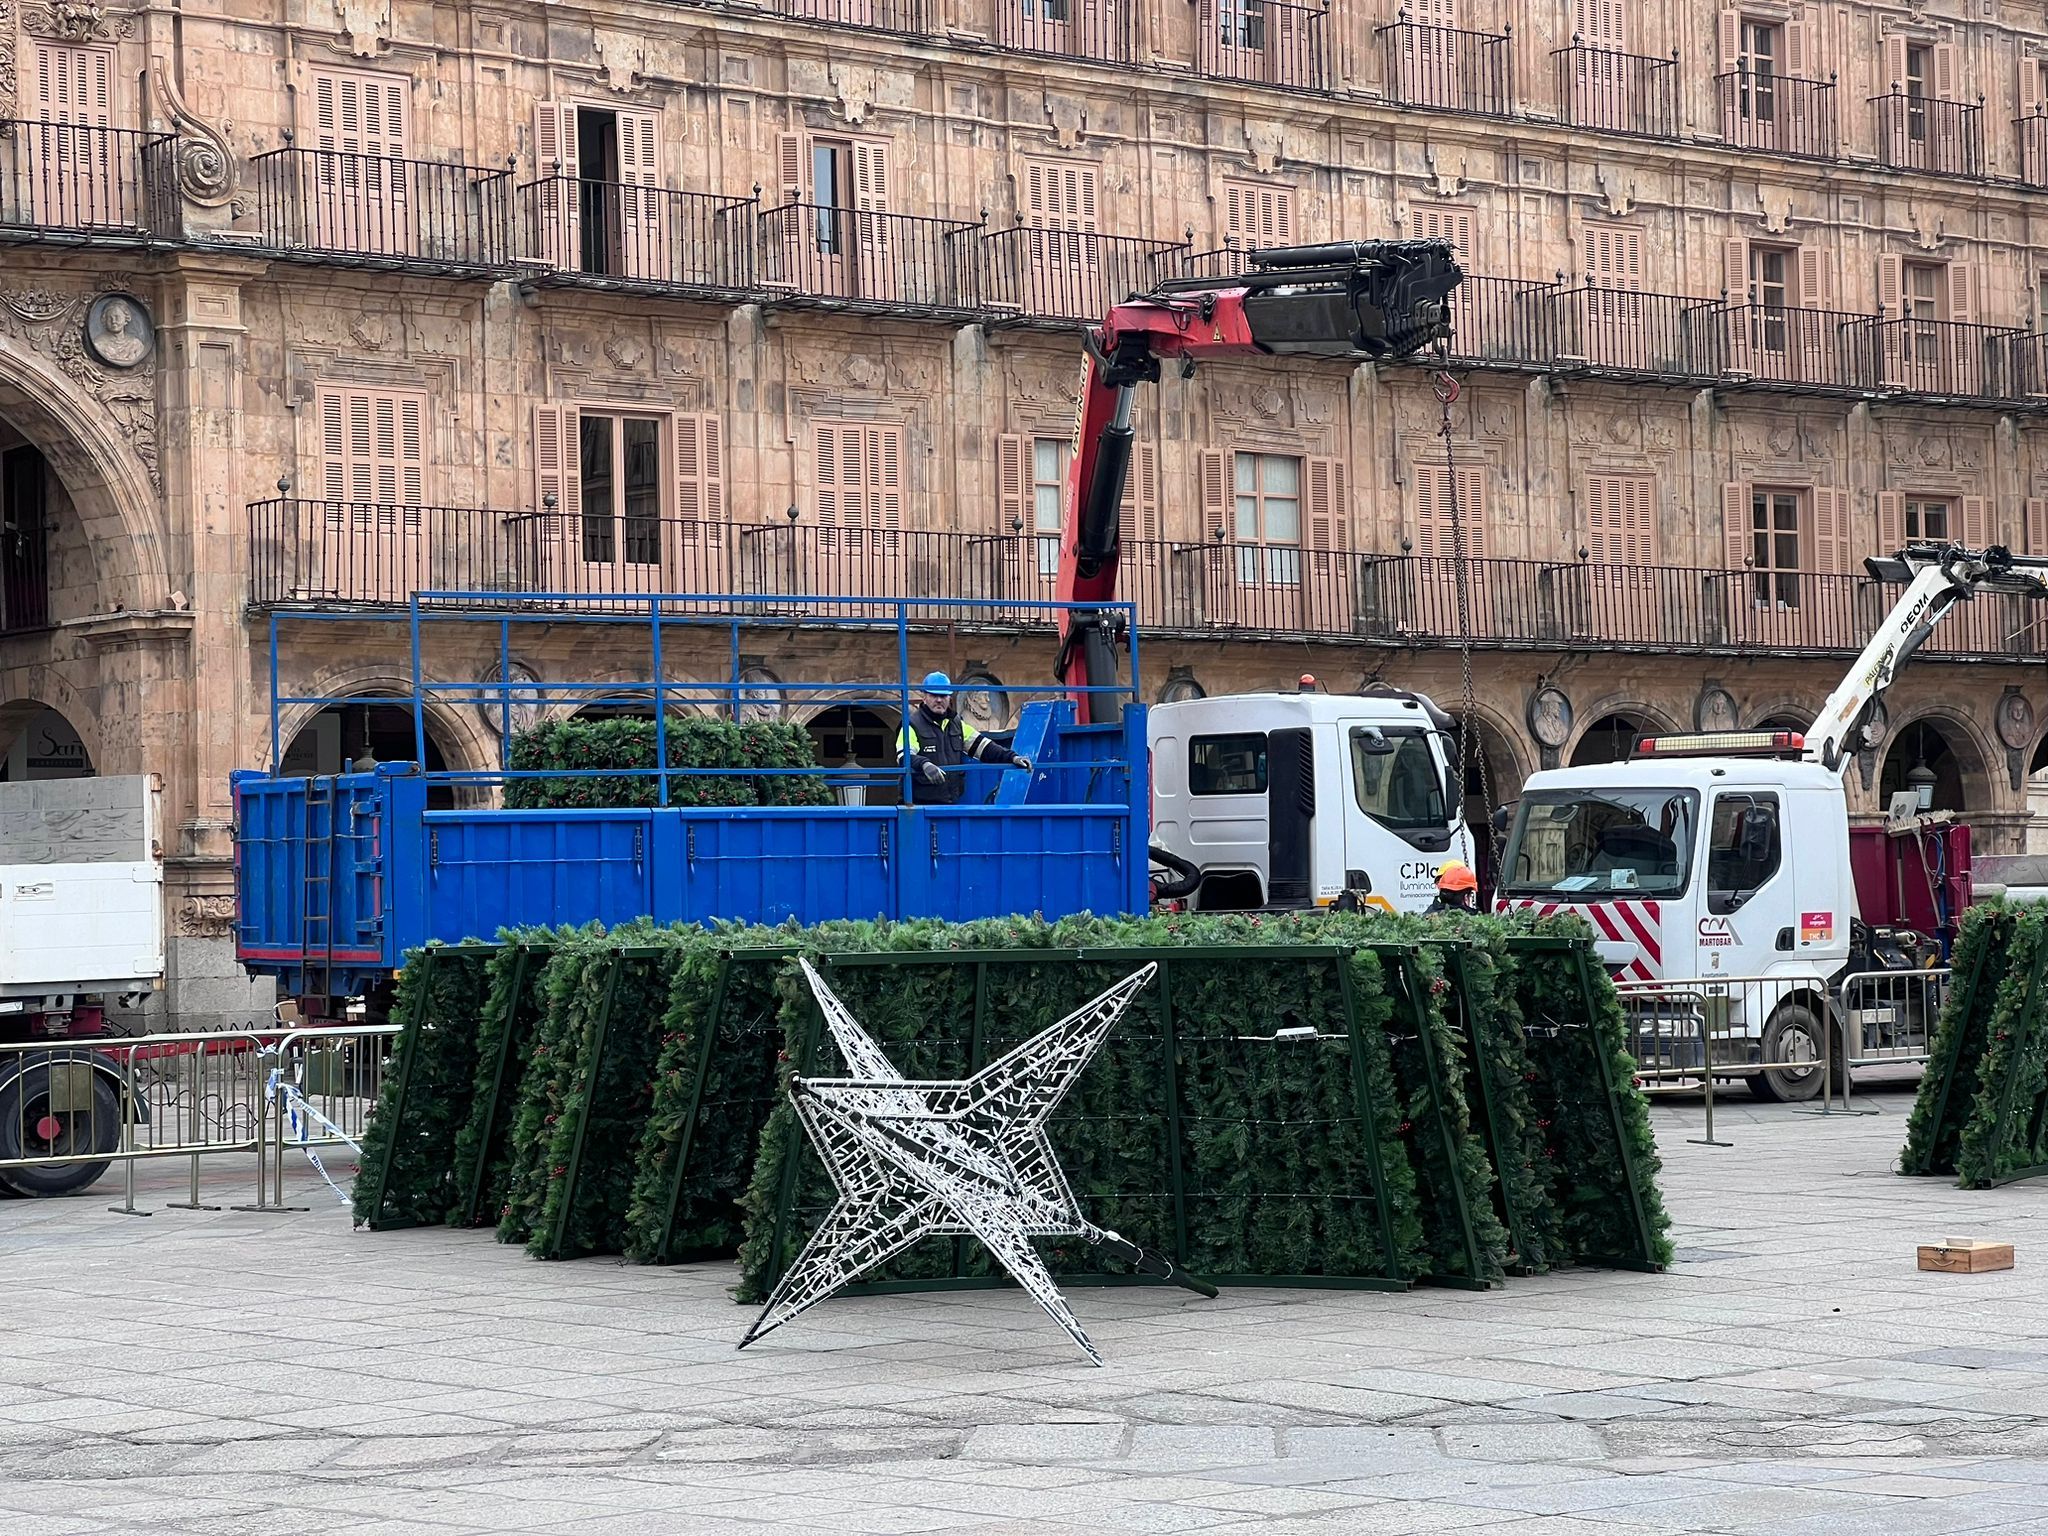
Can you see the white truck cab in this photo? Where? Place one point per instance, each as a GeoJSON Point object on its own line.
{"type": "Point", "coordinates": [1295, 799]}
{"type": "Point", "coordinates": [1691, 866]}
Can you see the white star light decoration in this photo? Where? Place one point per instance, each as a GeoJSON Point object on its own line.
{"type": "Point", "coordinates": [966, 1157]}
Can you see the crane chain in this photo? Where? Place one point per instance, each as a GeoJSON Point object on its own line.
{"type": "Point", "coordinates": [1471, 754]}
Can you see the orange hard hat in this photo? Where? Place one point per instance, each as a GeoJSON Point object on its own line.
{"type": "Point", "coordinates": [1456, 876]}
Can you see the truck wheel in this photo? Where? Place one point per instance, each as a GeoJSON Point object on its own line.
{"type": "Point", "coordinates": [1792, 1035]}
{"type": "Point", "coordinates": [28, 1128]}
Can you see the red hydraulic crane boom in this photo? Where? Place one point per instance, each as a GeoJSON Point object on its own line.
{"type": "Point", "coordinates": [1370, 300]}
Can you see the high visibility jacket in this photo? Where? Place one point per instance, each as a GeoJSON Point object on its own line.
{"type": "Point", "coordinates": [948, 741]}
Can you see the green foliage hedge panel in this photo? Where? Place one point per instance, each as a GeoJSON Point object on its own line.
{"type": "Point", "coordinates": [1949, 1088]}
{"type": "Point", "coordinates": [409, 1144]}
{"type": "Point", "coordinates": [513, 1004]}
{"type": "Point", "coordinates": [2007, 1134]}
{"type": "Point", "coordinates": [693, 741]}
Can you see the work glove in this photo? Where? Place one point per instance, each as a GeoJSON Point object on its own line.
{"type": "Point", "coordinates": [933, 773]}
{"type": "Point", "coordinates": [1021, 761]}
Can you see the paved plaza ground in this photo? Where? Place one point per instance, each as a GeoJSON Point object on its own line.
{"type": "Point", "coordinates": [1794, 1374]}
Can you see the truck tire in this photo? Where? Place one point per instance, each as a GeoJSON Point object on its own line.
{"type": "Point", "coordinates": [1793, 1034]}
{"type": "Point", "coordinates": [29, 1129]}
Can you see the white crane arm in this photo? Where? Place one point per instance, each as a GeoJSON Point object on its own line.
{"type": "Point", "coordinates": [1937, 578]}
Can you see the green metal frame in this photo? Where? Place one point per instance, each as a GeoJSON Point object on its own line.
{"type": "Point", "coordinates": [2029, 1022]}
{"type": "Point", "coordinates": [600, 1037]}
{"type": "Point", "coordinates": [408, 1053]}
{"type": "Point", "coordinates": [1496, 1135]}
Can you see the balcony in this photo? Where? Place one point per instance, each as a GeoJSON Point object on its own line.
{"type": "Point", "coordinates": [601, 234]}
{"type": "Point", "coordinates": [1102, 30]}
{"type": "Point", "coordinates": [1617, 92]}
{"type": "Point", "coordinates": [1067, 277]}
{"type": "Point", "coordinates": [1266, 42]}
{"type": "Point", "coordinates": [1918, 133]}
{"type": "Point", "coordinates": [1944, 359]}
{"type": "Point", "coordinates": [882, 263]}
{"type": "Point", "coordinates": [345, 554]}
{"type": "Point", "coordinates": [1779, 114]}
{"type": "Point", "coordinates": [384, 212]}
{"type": "Point", "coordinates": [73, 183]}
{"type": "Point", "coordinates": [1503, 322]}
{"type": "Point", "coordinates": [2031, 134]}
{"type": "Point", "coordinates": [911, 18]}
{"type": "Point", "coordinates": [1776, 344]}
{"type": "Point", "coordinates": [1431, 66]}
{"type": "Point", "coordinates": [1651, 335]}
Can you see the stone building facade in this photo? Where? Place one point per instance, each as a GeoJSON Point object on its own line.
{"type": "Point", "coordinates": [315, 304]}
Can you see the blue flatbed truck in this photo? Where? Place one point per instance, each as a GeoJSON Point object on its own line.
{"type": "Point", "coordinates": [338, 876]}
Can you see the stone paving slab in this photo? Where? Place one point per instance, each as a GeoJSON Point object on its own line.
{"type": "Point", "coordinates": [1794, 1375]}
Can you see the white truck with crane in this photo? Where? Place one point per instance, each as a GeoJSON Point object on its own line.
{"type": "Point", "coordinates": [1716, 867]}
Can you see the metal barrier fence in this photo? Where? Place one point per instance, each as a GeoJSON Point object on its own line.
{"type": "Point", "coordinates": [70, 1109]}
{"type": "Point", "coordinates": [1889, 1017]}
{"type": "Point", "coordinates": [1696, 1030]}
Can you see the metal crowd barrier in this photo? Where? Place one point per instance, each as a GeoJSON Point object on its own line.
{"type": "Point", "coordinates": [1890, 1016]}
{"type": "Point", "coordinates": [73, 1104]}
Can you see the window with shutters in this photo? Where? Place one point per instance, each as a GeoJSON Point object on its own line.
{"type": "Point", "coordinates": [1450, 510]}
{"type": "Point", "coordinates": [1601, 24]}
{"type": "Point", "coordinates": [70, 172]}
{"type": "Point", "coordinates": [620, 488]}
{"type": "Point", "coordinates": [611, 159]}
{"type": "Point", "coordinates": [1614, 271]}
{"type": "Point", "coordinates": [1266, 515]}
{"type": "Point", "coordinates": [361, 183]}
{"type": "Point", "coordinates": [859, 484]}
{"type": "Point", "coordinates": [1926, 519]}
{"type": "Point", "coordinates": [1457, 227]}
{"type": "Point", "coordinates": [1776, 546]}
{"type": "Point", "coordinates": [1257, 215]}
{"type": "Point", "coordinates": [1621, 520]}
{"type": "Point", "coordinates": [372, 454]}
{"type": "Point", "coordinates": [835, 236]}
{"type": "Point", "coordinates": [1048, 494]}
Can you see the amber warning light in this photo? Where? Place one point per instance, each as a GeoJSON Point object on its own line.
{"type": "Point", "coordinates": [1724, 744]}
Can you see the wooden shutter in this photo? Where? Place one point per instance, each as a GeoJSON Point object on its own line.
{"type": "Point", "coordinates": [1257, 214]}
{"type": "Point", "coordinates": [1891, 286]}
{"type": "Point", "coordinates": [1614, 257]}
{"type": "Point", "coordinates": [1735, 270]}
{"type": "Point", "coordinates": [555, 462]}
{"type": "Point", "coordinates": [373, 446]}
{"type": "Point", "coordinates": [2033, 87]}
{"type": "Point", "coordinates": [1434, 537]}
{"type": "Point", "coordinates": [1798, 45]}
{"type": "Point", "coordinates": [1976, 519]}
{"type": "Point", "coordinates": [1456, 226]}
{"type": "Point", "coordinates": [1059, 195]}
{"type": "Point", "coordinates": [870, 176]}
{"type": "Point", "coordinates": [1328, 505]}
{"type": "Point", "coordinates": [1139, 512]}
{"type": "Point", "coordinates": [1435, 13]}
{"type": "Point", "coordinates": [360, 114]}
{"type": "Point", "coordinates": [1601, 24]}
{"type": "Point", "coordinates": [838, 482]}
{"type": "Point", "coordinates": [885, 451]}
{"type": "Point", "coordinates": [1891, 522]}
{"type": "Point", "coordinates": [1947, 72]}
{"type": "Point", "coordinates": [1737, 526]}
{"type": "Point", "coordinates": [639, 148]}
{"type": "Point", "coordinates": [1831, 537]}
{"type": "Point", "coordinates": [73, 85]}
{"type": "Point", "coordinates": [1213, 469]}
{"type": "Point", "coordinates": [1013, 484]}
{"type": "Point", "coordinates": [1962, 294]}
{"type": "Point", "coordinates": [1894, 66]}
{"type": "Point", "coordinates": [792, 167]}
{"type": "Point", "coordinates": [554, 138]}
{"type": "Point", "coordinates": [2037, 525]}
{"type": "Point", "coordinates": [700, 469]}
{"type": "Point", "coordinates": [1815, 291]}
{"type": "Point", "coordinates": [1728, 32]}
{"type": "Point", "coordinates": [1621, 520]}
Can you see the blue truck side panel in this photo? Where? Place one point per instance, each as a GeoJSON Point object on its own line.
{"type": "Point", "coordinates": [337, 878]}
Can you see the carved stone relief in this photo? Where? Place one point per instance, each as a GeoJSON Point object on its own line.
{"type": "Point", "coordinates": [1268, 145]}
{"type": "Point", "coordinates": [622, 56]}
{"type": "Point", "coordinates": [206, 162]}
{"type": "Point", "coordinates": [365, 24]}
{"type": "Point", "coordinates": [854, 85]}
{"type": "Point", "coordinates": [1446, 170]}
{"type": "Point", "coordinates": [1069, 119]}
{"type": "Point", "coordinates": [206, 917]}
{"type": "Point", "coordinates": [76, 21]}
{"type": "Point", "coordinates": [1617, 191]}
{"type": "Point", "coordinates": [53, 323]}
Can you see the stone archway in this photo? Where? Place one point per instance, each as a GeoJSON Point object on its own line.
{"type": "Point", "coordinates": [861, 740]}
{"type": "Point", "coordinates": [1611, 738]}
{"type": "Point", "coordinates": [466, 743]}
{"type": "Point", "coordinates": [39, 741]}
{"type": "Point", "coordinates": [1932, 746]}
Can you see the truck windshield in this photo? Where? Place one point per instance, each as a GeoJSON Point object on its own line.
{"type": "Point", "coordinates": [1576, 846]}
{"type": "Point", "coordinates": [1403, 788]}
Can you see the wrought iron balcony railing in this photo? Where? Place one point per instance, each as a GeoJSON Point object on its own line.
{"type": "Point", "coordinates": [1780, 344]}
{"type": "Point", "coordinates": [78, 182]}
{"type": "Point", "coordinates": [1067, 276]}
{"type": "Point", "coordinates": [384, 211]}
{"type": "Point", "coordinates": [1432, 66]}
{"type": "Point", "coordinates": [1781, 114]}
{"type": "Point", "coordinates": [1267, 42]}
{"type": "Point", "coordinates": [1104, 30]}
{"type": "Point", "coordinates": [1656, 335]}
{"type": "Point", "coordinates": [2031, 135]}
{"type": "Point", "coordinates": [1943, 359]}
{"type": "Point", "coordinates": [1504, 322]}
{"type": "Point", "coordinates": [886, 262]}
{"type": "Point", "coordinates": [1617, 92]}
{"type": "Point", "coordinates": [910, 17]}
{"type": "Point", "coordinates": [1919, 133]}
{"type": "Point", "coordinates": [605, 234]}
{"type": "Point", "coordinates": [345, 553]}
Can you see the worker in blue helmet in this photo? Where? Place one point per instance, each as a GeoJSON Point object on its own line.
{"type": "Point", "coordinates": [935, 742]}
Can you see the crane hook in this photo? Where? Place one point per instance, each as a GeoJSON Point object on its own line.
{"type": "Point", "coordinates": [1444, 387]}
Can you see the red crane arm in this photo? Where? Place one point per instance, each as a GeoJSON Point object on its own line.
{"type": "Point", "coordinates": [1380, 300]}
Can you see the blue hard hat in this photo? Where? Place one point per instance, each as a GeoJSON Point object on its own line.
{"type": "Point", "coordinates": [936, 683]}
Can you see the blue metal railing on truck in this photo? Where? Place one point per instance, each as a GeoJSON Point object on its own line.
{"type": "Point", "coordinates": [337, 878]}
